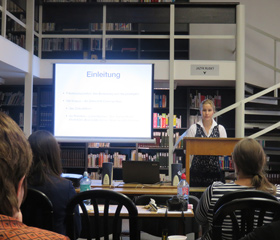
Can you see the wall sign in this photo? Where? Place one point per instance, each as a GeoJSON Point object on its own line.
{"type": "Point", "coordinates": [205, 70]}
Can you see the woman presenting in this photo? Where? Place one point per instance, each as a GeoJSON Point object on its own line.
{"type": "Point", "coordinates": [205, 169]}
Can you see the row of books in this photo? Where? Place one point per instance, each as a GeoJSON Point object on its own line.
{"type": "Point", "coordinates": [73, 157]}
{"type": "Point", "coordinates": [14, 26]}
{"type": "Point", "coordinates": [17, 39]}
{"type": "Point", "coordinates": [96, 44]}
{"type": "Point", "coordinates": [48, 27]}
{"type": "Point", "coordinates": [11, 98]}
{"type": "Point", "coordinates": [62, 44]}
{"type": "Point", "coordinates": [96, 160]}
{"type": "Point", "coordinates": [73, 162]}
{"type": "Point", "coordinates": [273, 178]}
{"type": "Point", "coordinates": [162, 120]}
{"type": "Point", "coordinates": [12, 7]}
{"type": "Point", "coordinates": [198, 98]}
{"type": "Point", "coordinates": [98, 145]}
{"type": "Point", "coordinates": [226, 163]}
{"type": "Point", "coordinates": [160, 100]}
{"type": "Point", "coordinates": [46, 119]}
{"type": "Point", "coordinates": [111, 26]}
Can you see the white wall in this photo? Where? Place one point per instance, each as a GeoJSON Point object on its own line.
{"type": "Point", "coordinates": [264, 15]}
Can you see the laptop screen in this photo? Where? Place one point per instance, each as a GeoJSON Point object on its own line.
{"type": "Point", "coordinates": [140, 172]}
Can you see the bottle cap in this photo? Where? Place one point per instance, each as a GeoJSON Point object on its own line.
{"type": "Point", "coordinates": [183, 176]}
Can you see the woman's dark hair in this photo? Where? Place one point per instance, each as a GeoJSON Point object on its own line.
{"type": "Point", "coordinates": [249, 157]}
{"type": "Point", "coordinates": [46, 158]}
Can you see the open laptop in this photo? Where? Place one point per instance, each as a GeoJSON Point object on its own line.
{"type": "Point", "coordinates": [140, 172]}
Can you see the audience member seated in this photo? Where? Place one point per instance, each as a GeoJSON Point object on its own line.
{"type": "Point", "coordinates": [249, 161]}
{"type": "Point", "coordinates": [270, 231]}
{"type": "Point", "coordinates": [15, 162]}
{"type": "Point", "coordinates": [45, 176]}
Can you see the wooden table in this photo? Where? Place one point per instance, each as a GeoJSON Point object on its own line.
{"type": "Point", "coordinates": [207, 146]}
{"type": "Point", "coordinates": [140, 189]}
{"type": "Point", "coordinates": [143, 212]}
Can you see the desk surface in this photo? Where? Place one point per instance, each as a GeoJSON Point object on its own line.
{"type": "Point", "coordinates": [142, 212]}
{"type": "Point", "coordinates": [140, 189]}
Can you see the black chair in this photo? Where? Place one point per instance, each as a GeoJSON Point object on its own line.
{"type": "Point", "coordinates": [242, 194]}
{"type": "Point", "coordinates": [102, 226]}
{"type": "Point", "coordinates": [37, 210]}
{"type": "Point", "coordinates": [157, 226]}
{"type": "Point", "coordinates": [240, 216]}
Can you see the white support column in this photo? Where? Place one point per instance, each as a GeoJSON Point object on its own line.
{"type": "Point", "coordinates": [171, 85]}
{"type": "Point", "coordinates": [240, 71]}
{"type": "Point", "coordinates": [4, 18]}
{"type": "Point", "coordinates": [28, 85]}
{"type": "Point", "coordinates": [104, 32]}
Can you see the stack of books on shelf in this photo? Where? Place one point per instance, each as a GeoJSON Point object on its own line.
{"type": "Point", "coordinates": [96, 44]}
{"type": "Point", "coordinates": [274, 178]}
{"type": "Point", "coordinates": [10, 98]}
{"type": "Point", "coordinates": [161, 157]}
{"type": "Point", "coordinates": [198, 98]}
{"type": "Point", "coordinates": [46, 119]}
{"type": "Point", "coordinates": [73, 158]}
{"type": "Point", "coordinates": [111, 27]}
{"type": "Point", "coordinates": [162, 120]}
{"type": "Point", "coordinates": [96, 160]}
{"type": "Point", "coordinates": [98, 145]}
{"type": "Point", "coordinates": [160, 101]}
{"type": "Point", "coordinates": [65, 44]}
{"type": "Point", "coordinates": [226, 163]}
{"type": "Point", "coordinates": [48, 27]}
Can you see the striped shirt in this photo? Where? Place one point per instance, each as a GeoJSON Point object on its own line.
{"type": "Point", "coordinates": [205, 208]}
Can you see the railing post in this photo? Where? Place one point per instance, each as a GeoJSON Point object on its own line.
{"type": "Point", "coordinates": [240, 70]}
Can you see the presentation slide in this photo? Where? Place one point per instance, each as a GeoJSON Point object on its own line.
{"type": "Point", "coordinates": [103, 101]}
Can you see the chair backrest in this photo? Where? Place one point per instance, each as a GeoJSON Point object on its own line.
{"type": "Point", "coordinates": [37, 210]}
{"type": "Point", "coordinates": [238, 217]}
{"type": "Point", "coordinates": [242, 194]}
{"type": "Point", "coordinates": [156, 227]}
{"type": "Point", "coordinates": [102, 226]}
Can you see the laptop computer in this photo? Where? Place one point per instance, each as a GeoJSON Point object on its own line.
{"type": "Point", "coordinates": [140, 172]}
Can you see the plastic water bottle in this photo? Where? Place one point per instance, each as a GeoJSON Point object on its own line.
{"type": "Point", "coordinates": [183, 188]}
{"type": "Point", "coordinates": [85, 183]}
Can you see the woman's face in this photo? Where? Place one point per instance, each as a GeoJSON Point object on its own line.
{"type": "Point", "coordinates": [207, 112]}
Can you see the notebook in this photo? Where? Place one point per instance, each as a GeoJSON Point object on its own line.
{"type": "Point", "coordinates": [140, 172]}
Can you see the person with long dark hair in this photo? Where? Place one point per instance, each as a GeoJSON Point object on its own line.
{"type": "Point", "coordinates": [45, 176]}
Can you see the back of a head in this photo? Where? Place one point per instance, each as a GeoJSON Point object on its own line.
{"type": "Point", "coordinates": [249, 157]}
{"type": "Point", "coordinates": [46, 157]}
{"type": "Point", "coordinates": [15, 162]}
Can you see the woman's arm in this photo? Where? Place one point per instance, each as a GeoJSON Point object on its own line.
{"type": "Point", "coordinates": [222, 130]}
{"type": "Point", "coordinates": [203, 207]}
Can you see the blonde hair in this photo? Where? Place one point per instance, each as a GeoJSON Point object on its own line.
{"type": "Point", "coordinates": [207, 101]}
{"type": "Point", "coordinates": [249, 157]}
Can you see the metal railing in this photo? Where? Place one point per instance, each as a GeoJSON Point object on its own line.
{"type": "Point", "coordinates": [265, 91]}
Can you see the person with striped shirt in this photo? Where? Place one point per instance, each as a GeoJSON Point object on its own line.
{"type": "Point", "coordinates": [249, 161]}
